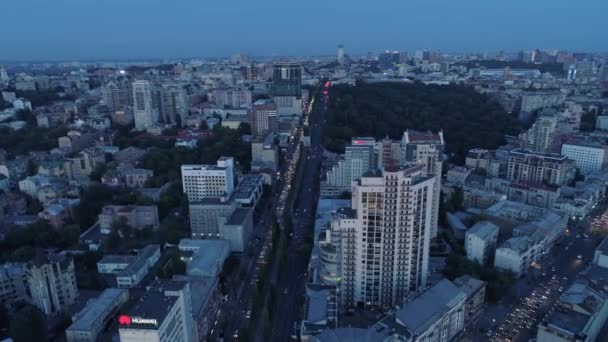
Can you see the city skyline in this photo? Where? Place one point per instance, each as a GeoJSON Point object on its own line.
{"type": "Point", "coordinates": [85, 30]}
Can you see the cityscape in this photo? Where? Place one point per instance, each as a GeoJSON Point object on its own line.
{"type": "Point", "coordinates": [396, 195]}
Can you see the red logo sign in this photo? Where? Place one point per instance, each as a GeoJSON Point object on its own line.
{"type": "Point", "coordinates": [124, 320]}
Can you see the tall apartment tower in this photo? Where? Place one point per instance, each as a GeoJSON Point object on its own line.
{"type": "Point", "coordinates": [174, 103]}
{"type": "Point", "coordinates": [204, 181]}
{"type": "Point", "coordinates": [426, 148]}
{"type": "Point", "coordinates": [383, 241]}
{"type": "Point", "coordinates": [542, 137]}
{"type": "Point", "coordinates": [359, 158]}
{"type": "Point", "coordinates": [117, 94]}
{"type": "Point", "coordinates": [145, 112]}
{"type": "Point", "coordinates": [52, 283]}
{"type": "Point", "coordinates": [264, 117]}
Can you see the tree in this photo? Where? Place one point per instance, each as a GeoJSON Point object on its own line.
{"type": "Point", "coordinates": [28, 324]}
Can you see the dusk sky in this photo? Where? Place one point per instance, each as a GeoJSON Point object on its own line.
{"type": "Point", "coordinates": [96, 29]}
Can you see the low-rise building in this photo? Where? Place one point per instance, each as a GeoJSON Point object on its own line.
{"type": "Point", "coordinates": [237, 229]}
{"type": "Point", "coordinates": [129, 270]}
{"type": "Point", "coordinates": [204, 258]}
{"type": "Point", "coordinates": [92, 319]}
{"type": "Point", "coordinates": [13, 284]}
{"type": "Point", "coordinates": [249, 190]}
{"type": "Point", "coordinates": [475, 290]}
{"type": "Point", "coordinates": [136, 216]}
{"type": "Point", "coordinates": [480, 241]}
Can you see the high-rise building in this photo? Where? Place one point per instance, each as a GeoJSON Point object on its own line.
{"type": "Point", "coordinates": [117, 94]}
{"type": "Point", "coordinates": [203, 181]}
{"type": "Point", "coordinates": [52, 282]}
{"type": "Point", "coordinates": [145, 113]}
{"type": "Point", "coordinates": [341, 54]}
{"type": "Point", "coordinates": [173, 104]}
{"type": "Point", "coordinates": [387, 59]}
{"type": "Point", "coordinates": [13, 284]}
{"type": "Point", "coordinates": [542, 136]}
{"type": "Point", "coordinates": [263, 117]}
{"type": "Point", "coordinates": [3, 75]}
{"type": "Point", "coordinates": [287, 79]}
{"type": "Point", "coordinates": [426, 148]}
{"type": "Point", "coordinates": [164, 313]}
{"type": "Point", "coordinates": [359, 158]}
{"type": "Point", "coordinates": [383, 240]}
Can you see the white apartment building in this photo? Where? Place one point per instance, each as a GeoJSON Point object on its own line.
{"type": "Point", "coordinates": [480, 241]}
{"type": "Point", "coordinates": [359, 157]}
{"type": "Point", "coordinates": [145, 113]}
{"type": "Point", "coordinates": [426, 148]}
{"type": "Point", "coordinates": [203, 181]}
{"type": "Point", "coordinates": [232, 98]}
{"type": "Point", "coordinates": [383, 241]}
{"type": "Point", "coordinates": [589, 156]}
{"type": "Point", "coordinates": [164, 314]}
{"type": "Point", "coordinates": [52, 283]}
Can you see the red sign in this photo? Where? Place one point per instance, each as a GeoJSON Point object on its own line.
{"type": "Point", "coordinates": [124, 320]}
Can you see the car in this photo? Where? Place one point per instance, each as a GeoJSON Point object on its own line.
{"type": "Point", "coordinates": [580, 256]}
{"type": "Point", "coordinates": [236, 334]}
{"type": "Point", "coordinates": [285, 291]}
{"type": "Point", "coordinates": [248, 314]}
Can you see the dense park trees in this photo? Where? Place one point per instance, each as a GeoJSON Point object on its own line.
{"type": "Point", "coordinates": [468, 119]}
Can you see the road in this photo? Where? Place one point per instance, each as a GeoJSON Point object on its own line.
{"type": "Point", "coordinates": [292, 281]}
{"type": "Point", "coordinates": [515, 317]}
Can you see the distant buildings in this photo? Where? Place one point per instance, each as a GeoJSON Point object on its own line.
{"type": "Point", "coordinates": [203, 181]}
{"type": "Point", "coordinates": [286, 88]}
{"type": "Point", "coordinates": [232, 98]}
{"type": "Point", "coordinates": [264, 154]}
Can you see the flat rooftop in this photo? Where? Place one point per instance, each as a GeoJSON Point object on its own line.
{"type": "Point", "coordinates": [155, 304]}
{"type": "Point", "coordinates": [94, 311]}
{"type": "Point", "coordinates": [239, 215]}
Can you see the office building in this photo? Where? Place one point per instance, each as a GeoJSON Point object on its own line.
{"type": "Point", "coordinates": [264, 117]}
{"type": "Point", "coordinates": [286, 79]}
{"type": "Point", "coordinates": [590, 155]}
{"type": "Point", "coordinates": [52, 282]}
{"type": "Point", "coordinates": [359, 158]}
{"type": "Point", "coordinates": [387, 59]}
{"type": "Point", "coordinates": [202, 181]}
{"type": "Point", "coordinates": [426, 148]}
{"type": "Point", "coordinates": [96, 315]}
{"type": "Point", "coordinates": [249, 190]}
{"type": "Point", "coordinates": [205, 216]}
{"type": "Point", "coordinates": [546, 168]}
{"type": "Point", "coordinates": [206, 302]}
{"type": "Point", "coordinates": [173, 104]}
{"type": "Point", "coordinates": [145, 110]}
{"type": "Point", "coordinates": [4, 78]}
{"type": "Point", "coordinates": [237, 229]}
{"type": "Point", "coordinates": [163, 314]}
{"type": "Point", "coordinates": [383, 241]}
{"type": "Point", "coordinates": [475, 290]}
{"type": "Point", "coordinates": [480, 241]}
{"type": "Point", "coordinates": [534, 100]}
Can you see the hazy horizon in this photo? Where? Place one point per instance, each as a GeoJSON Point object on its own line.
{"type": "Point", "coordinates": [41, 30]}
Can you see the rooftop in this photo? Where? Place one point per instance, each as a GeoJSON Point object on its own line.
{"type": "Point", "coordinates": [429, 306]}
{"type": "Point", "coordinates": [570, 321]}
{"type": "Point", "coordinates": [95, 311]}
{"type": "Point", "coordinates": [155, 304]}
{"type": "Point", "coordinates": [484, 230]}
{"type": "Point", "coordinates": [350, 335]}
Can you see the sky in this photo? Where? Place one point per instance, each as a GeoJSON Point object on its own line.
{"type": "Point", "coordinates": [134, 29]}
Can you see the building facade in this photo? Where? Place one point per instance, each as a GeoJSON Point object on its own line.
{"type": "Point", "coordinates": [202, 181]}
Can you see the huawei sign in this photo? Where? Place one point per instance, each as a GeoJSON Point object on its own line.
{"type": "Point", "coordinates": [127, 320]}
